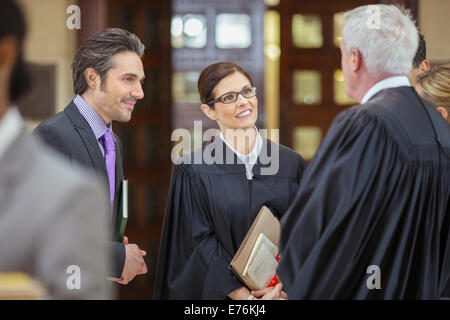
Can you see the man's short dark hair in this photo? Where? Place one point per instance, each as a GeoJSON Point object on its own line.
{"type": "Point", "coordinates": [421, 53]}
{"type": "Point", "coordinates": [97, 52]}
{"type": "Point", "coordinates": [12, 23]}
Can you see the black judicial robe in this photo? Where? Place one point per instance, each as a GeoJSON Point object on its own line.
{"type": "Point", "coordinates": [209, 211]}
{"type": "Point", "coordinates": [377, 193]}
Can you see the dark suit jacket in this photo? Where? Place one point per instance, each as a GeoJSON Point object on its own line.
{"type": "Point", "coordinates": [69, 133]}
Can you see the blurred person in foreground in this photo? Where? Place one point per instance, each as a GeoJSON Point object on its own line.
{"type": "Point", "coordinates": [371, 216]}
{"type": "Point", "coordinates": [50, 221]}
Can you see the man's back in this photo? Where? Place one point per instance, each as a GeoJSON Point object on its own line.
{"type": "Point", "coordinates": [412, 121]}
{"type": "Point", "coordinates": [376, 195]}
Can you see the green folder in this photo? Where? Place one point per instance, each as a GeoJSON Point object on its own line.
{"type": "Point", "coordinates": [123, 212]}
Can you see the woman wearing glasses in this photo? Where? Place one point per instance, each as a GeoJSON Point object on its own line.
{"type": "Point", "coordinates": [212, 205]}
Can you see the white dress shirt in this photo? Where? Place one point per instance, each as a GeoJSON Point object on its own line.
{"type": "Point", "coordinates": [94, 120]}
{"type": "Point", "coordinates": [391, 82]}
{"type": "Point", "coordinates": [249, 160]}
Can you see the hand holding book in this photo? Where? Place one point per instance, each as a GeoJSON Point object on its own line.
{"type": "Point", "coordinates": [256, 261]}
{"type": "Point", "coordinates": [262, 264]}
{"type": "Point", "coordinates": [271, 293]}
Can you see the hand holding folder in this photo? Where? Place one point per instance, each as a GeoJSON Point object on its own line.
{"type": "Point", "coordinates": [262, 264]}
{"type": "Point", "coordinates": [256, 260]}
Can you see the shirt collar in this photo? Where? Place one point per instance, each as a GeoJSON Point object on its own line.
{"type": "Point", "coordinates": [10, 127]}
{"type": "Point", "coordinates": [253, 155]}
{"type": "Point", "coordinates": [94, 120]}
{"type": "Point", "coordinates": [391, 82]}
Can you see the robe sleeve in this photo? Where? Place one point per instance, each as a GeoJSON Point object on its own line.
{"type": "Point", "coordinates": [192, 264]}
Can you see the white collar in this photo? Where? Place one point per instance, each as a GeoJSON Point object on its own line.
{"type": "Point", "coordinates": [391, 82]}
{"type": "Point", "coordinates": [10, 127]}
{"type": "Point", "coordinates": [249, 159]}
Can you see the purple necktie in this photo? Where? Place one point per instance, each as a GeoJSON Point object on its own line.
{"type": "Point", "coordinates": [110, 159]}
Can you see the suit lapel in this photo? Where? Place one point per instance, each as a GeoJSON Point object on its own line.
{"type": "Point", "coordinates": [84, 130]}
{"type": "Point", "coordinates": [98, 161]}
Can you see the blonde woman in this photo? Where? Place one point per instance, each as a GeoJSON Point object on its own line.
{"type": "Point", "coordinates": [434, 86]}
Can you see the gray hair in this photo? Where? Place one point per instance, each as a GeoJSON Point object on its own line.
{"type": "Point", "coordinates": [385, 35]}
{"type": "Point", "coordinates": [97, 51]}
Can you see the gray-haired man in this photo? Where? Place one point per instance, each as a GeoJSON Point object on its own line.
{"type": "Point", "coordinates": [371, 217]}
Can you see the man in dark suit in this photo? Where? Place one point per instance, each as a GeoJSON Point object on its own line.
{"type": "Point", "coordinates": [108, 75]}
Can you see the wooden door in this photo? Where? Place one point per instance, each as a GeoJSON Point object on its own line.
{"type": "Point", "coordinates": [146, 138]}
{"type": "Point", "coordinates": [311, 82]}
{"type": "Point", "coordinates": [230, 30]}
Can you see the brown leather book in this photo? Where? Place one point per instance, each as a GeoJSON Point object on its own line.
{"type": "Point", "coordinates": [267, 224]}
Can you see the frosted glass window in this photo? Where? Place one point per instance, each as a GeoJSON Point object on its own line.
{"type": "Point", "coordinates": [307, 31]}
{"type": "Point", "coordinates": [188, 30]}
{"type": "Point", "coordinates": [233, 31]}
{"type": "Point", "coordinates": [337, 28]}
{"type": "Point", "coordinates": [306, 140]}
{"type": "Point", "coordinates": [340, 96]}
{"type": "Point", "coordinates": [272, 2]}
{"type": "Point", "coordinates": [272, 49]}
{"type": "Point", "coordinates": [307, 87]}
{"type": "Point", "coordinates": [184, 87]}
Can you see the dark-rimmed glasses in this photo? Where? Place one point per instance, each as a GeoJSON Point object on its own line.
{"type": "Point", "coordinates": [232, 96]}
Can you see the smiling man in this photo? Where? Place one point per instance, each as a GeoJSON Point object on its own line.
{"type": "Point", "coordinates": [107, 73]}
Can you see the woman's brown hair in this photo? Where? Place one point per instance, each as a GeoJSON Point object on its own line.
{"type": "Point", "coordinates": [211, 76]}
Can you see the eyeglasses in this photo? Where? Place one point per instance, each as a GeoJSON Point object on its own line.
{"type": "Point", "coordinates": [232, 96]}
